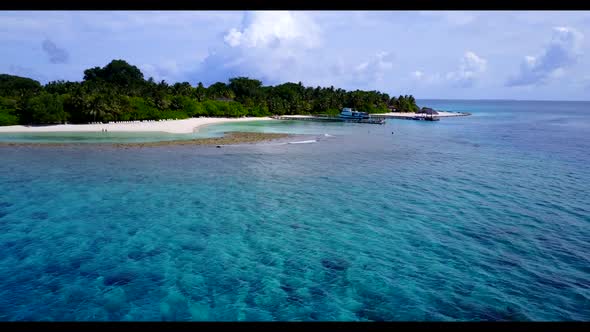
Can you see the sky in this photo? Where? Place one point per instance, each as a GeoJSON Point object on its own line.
{"type": "Point", "coordinates": [524, 55]}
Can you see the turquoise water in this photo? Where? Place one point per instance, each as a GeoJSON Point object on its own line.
{"type": "Point", "coordinates": [475, 218]}
{"type": "Point", "coordinates": [91, 137]}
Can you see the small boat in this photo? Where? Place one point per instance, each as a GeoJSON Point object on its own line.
{"type": "Point", "coordinates": [349, 113]}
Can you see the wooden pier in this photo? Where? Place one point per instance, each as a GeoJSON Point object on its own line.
{"type": "Point", "coordinates": [325, 118]}
{"type": "Point", "coordinates": [373, 118]}
{"type": "Point", "coordinates": [419, 116]}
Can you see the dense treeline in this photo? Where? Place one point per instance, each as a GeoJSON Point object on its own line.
{"type": "Point", "coordinates": [119, 92]}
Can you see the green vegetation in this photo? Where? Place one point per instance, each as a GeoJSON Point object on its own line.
{"type": "Point", "coordinates": [8, 114]}
{"type": "Point", "coordinates": [119, 92]}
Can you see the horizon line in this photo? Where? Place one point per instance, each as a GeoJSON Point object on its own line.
{"type": "Point", "coordinates": [501, 99]}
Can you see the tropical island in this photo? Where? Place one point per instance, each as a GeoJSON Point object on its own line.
{"type": "Point", "coordinates": [119, 95]}
{"type": "Point", "coordinates": [119, 92]}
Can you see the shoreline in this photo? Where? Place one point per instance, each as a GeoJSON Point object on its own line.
{"type": "Point", "coordinates": [229, 138]}
{"type": "Point", "coordinates": [184, 126]}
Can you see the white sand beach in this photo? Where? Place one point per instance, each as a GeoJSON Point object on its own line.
{"type": "Point", "coordinates": [185, 126]}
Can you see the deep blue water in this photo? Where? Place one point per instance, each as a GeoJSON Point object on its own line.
{"type": "Point", "coordinates": [484, 217]}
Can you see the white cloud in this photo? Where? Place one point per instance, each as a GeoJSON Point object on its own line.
{"type": "Point", "coordinates": [562, 52]}
{"type": "Point", "coordinates": [425, 78]}
{"type": "Point", "coordinates": [375, 69]}
{"type": "Point", "coordinates": [166, 71]}
{"type": "Point", "coordinates": [470, 69]}
{"type": "Point", "coordinates": [233, 37]}
{"type": "Point", "coordinates": [268, 28]}
{"type": "Point", "coordinates": [270, 45]}
{"type": "Point", "coordinates": [417, 74]}
{"type": "Point", "coordinates": [472, 66]}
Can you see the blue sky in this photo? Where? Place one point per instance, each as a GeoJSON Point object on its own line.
{"type": "Point", "coordinates": [430, 54]}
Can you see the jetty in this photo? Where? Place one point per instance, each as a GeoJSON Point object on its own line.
{"type": "Point", "coordinates": [327, 118]}
{"type": "Point", "coordinates": [420, 116]}
{"type": "Point", "coordinates": [349, 115]}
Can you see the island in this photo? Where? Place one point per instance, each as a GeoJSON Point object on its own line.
{"type": "Point", "coordinates": [117, 97]}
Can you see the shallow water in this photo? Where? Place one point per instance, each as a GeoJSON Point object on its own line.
{"type": "Point", "coordinates": [207, 131]}
{"type": "Point", "coordinates": [474, 218]}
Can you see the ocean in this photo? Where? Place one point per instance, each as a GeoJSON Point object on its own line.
{"type": "Point", "coordinates": [478, 218]}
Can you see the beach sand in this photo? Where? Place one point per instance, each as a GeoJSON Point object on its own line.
{"type": "Point", "coordinates": [185, 126]}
